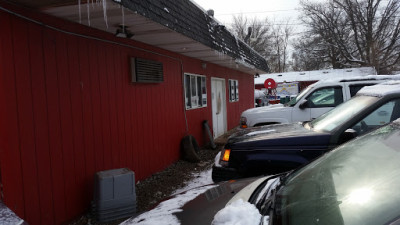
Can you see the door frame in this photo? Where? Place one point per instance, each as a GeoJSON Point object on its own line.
{"type": "Point", "coordinates": [223, 104]}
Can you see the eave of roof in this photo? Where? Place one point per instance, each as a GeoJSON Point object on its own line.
{"type": "Point", "coordinates": [186, 18]}
{"type": "Point", "coordinates": [178, 26]}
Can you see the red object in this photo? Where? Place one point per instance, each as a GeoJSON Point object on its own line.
{"type": "Point", "coordinates": [69, 110]}
{"type": "Point", "coordinates": [270, 83]}
{"type": "Point", "coordinates": [275, 101]}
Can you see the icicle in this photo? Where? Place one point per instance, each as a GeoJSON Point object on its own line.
{"type": "Point", "coordinates": [123, 17]}
{"type": "Point", "coordinates": [105, 12]}
{"type": "Point", "coordinates": [79, 8]}
{"type": "Point", "coordinates": [88, 12]}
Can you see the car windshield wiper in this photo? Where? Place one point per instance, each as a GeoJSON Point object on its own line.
{"type": "Point", "coordinates": [267, 200]}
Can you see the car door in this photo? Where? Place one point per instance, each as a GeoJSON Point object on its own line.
{"type": "Point", "coordinates": [318, 102]}
{"type": "Point", "coordinates": [383, 115]}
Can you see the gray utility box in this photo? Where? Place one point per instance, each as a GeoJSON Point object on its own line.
{"type": "Point", "coordinates": [114, 195]}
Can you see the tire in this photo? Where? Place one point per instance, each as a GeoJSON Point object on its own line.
{"type": "Point", "coordinates": [190, 147]}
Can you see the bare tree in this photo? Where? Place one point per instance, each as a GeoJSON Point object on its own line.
{"type": "Point", "coordinates": [254, 32]}
{"type": "Point", "coordinates": [279, 51]}
{"type": "Point", "coordinates": [271, 41]}
{"type": "Point", "coordinates": [355, 33]}
{"type": "Point", "coordinates": [309, 54]}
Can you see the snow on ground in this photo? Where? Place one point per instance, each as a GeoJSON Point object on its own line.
{"type": "Point", "coordinates": [8, 217]}
{"type": "Point", "coordinates": [163, 213]}
{"type": "Point", "coordinates": [239, 212]}
{"type": "Point", "coordinates": [199, 179]}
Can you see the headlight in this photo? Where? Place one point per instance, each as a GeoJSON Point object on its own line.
{"type": "Point", "coordinates": [224, 158]}
{"type": "Point", "coordinates": [243, 122]}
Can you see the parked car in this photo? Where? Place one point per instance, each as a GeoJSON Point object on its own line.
{"type": "Point", "coordinates": [355, 184]}
{"type": "Point", "coordinates": [260, 98]}
{"type": "Point", "coordinates": [312, 102]}
{"type": "Point", "coordinates": [282, 147]}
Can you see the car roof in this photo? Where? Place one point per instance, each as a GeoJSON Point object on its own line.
{"type": "Point", "coordinates": [382, 89]}
{"type": "Point", "coordinates": [359, 79]}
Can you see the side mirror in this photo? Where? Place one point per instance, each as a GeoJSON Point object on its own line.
{"type": "Point", "coordinates": [348, 135]}
{"type": "Point", "coordinates": [303, 104]}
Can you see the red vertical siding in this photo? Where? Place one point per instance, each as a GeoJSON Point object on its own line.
{"type": "Point", "coordinates": [25, 120]}
{"type": "Point", "coordinates": [55, 135]}
{"type": "Point", "coordinates": [70, 111]}
{"type": "Point", "coordinates": [11, 168]}
{"type": "Point", "coordinates": [41, 131]}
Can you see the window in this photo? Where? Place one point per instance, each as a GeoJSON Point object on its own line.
{"type": "Point", "coordinates": [233, 90]}
{"type": "Point", "coordinates": [379, 117]}
{"type": "Point", "coordinates": [356, 87]}
{"type": "Point", "coordinates": [325, 97]}
{"type": "Point", "coordinates": [195, 91]}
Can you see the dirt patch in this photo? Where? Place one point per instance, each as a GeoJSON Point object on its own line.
{"type": "Point", "coordinates": [162, 184]}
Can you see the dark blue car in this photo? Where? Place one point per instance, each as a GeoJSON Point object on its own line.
{"type": "Point", "coordinates": [278, 148]}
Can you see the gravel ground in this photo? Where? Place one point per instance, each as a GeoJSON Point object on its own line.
{"type": "Point", "coordinates": [162, 184]}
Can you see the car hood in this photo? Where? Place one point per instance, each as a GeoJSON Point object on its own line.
{"type": "Point", "coordinates": [201, 208]}
{"type": "Point", "coordinates": [264, 109]}
{"type": "Point", "coordinates": [278, 135]}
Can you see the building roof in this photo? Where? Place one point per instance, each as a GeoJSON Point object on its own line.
{"type": "Point", "coordinates": [179, 26]}
{"type": "Point", "coordinates": [316, 75]}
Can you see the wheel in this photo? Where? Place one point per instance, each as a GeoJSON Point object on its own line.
{"type": "Point", "coordinates": [190, 148]}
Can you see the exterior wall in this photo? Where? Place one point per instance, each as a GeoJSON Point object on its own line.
{"type": "Point", "coordinates": [69, 110]}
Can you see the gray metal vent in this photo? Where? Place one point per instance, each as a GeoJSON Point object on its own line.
{"type": "Point", "coordinates": [146, 71]}
{"type": "Point", "coordinates": [114, 195]}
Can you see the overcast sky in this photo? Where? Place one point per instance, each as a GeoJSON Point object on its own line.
{"type": "Point", "coordinates": [278, 9]}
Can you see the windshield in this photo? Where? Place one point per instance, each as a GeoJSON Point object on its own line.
{"type": "Point", "coordinates": [355, 184]}
{"type": "Point", "coordinates": [342, 113]}
{"type": "Point", "coordinates": [294, 101]}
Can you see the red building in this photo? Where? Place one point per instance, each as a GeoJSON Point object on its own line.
{"type": "Point", "coordinates": [106, 85]}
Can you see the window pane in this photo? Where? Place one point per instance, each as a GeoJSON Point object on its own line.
{"type": "Point", "coordinates": [355, 88]}
{"type": "Point", "coordinates": [232, 90]}
{"type": "Point", "coordinates": [381, 116]}
{"type": "Point", "coordinates": [193, 87]}
{"type": "Point", "coordinates": [237, 91]}
{"type": "Point", "coordinates": [199, 92]}
{"type": "Point", "coordinates": [204, 91]}
{"type": "Point", "coordinates": [326, 97]}
{"type": "Point", "coordinates": [187, 92]}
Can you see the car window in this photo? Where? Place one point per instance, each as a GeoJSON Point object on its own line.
{"type": "Point", "coordinates": [356, 87]}
{"type": "Point", "coordinates": [294, 101]}
{"type": "Point", "coordinates": [381, 116]}
{"type": "Point", "coordinates": [325, 97]}
{"type": "Point", "coordinates": [355, 184]}
{"type": "Point", "coordinates": [339, 115]}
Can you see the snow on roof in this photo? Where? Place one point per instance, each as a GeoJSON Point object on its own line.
{"type": "Point", "coordinates": [316, 75]}
{"type": "Point", "coordinates": [387, 88]}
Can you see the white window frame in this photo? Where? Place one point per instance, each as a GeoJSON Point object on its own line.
{"type": "Point", "coordinates": [233, 90]}
{"type": "Point", "coordinates": [195, 93]}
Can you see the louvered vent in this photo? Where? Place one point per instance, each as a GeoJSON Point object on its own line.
{"type": "Point", "coordinates": [146, 71]}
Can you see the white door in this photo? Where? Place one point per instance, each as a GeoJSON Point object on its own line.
{"type": "Point", "coordinates": [218, 99]}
